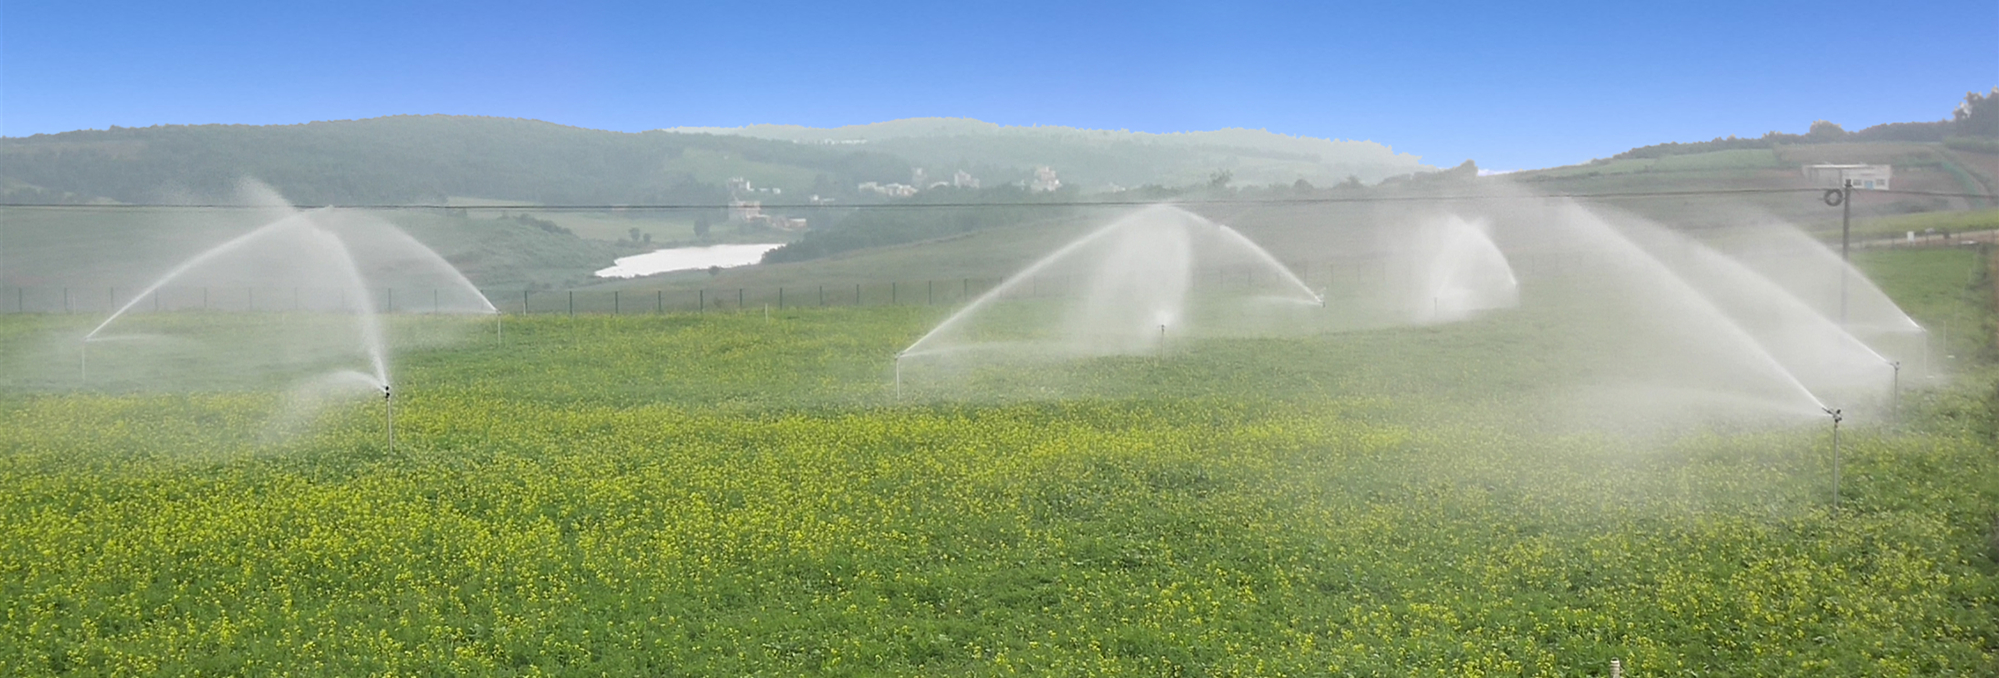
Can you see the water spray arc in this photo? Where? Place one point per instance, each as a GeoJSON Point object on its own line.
{"type": "Point", "coordinates": [321, 249]}
{"type": "Point", "coordinates": [1128, 282]}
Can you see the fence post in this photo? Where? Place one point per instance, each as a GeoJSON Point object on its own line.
{"type": "Point", "coordinates": [572, 303]}
{"type": "Point", "coordinates": [739, 298]}
{"type": "Point", "coordinates": [614, 302]}
{"type": "Point", "coordinates": [857, 294]}
{"type": "Point", "coordinates": [891, 292]}
{"type": "Point", "coordinates": [658, 302]}
{"type": "Point", "coordinates": [701, 301]}
{"type": "Point", "coordinates": [822, 295]}
{"type": "Point", "coordinates": [525, 308]}
{"type": "Point", "coordinates": [780, 297]}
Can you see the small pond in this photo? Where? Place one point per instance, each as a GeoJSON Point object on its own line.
{"type": "Point", "coordinates": [685, 258]}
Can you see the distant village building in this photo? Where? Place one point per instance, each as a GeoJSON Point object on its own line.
{"type": "Point", "coordinates": [1044, 180]}
{"type": "Point", "coordinates": [739, 187]}
{"type": "Point", "coordinates": [964, 179]}
{"type": "Point", "coordinates": [890, 190]}
{"type": "Point", "coordinates": [1870, 177]}
{"type": "Point", "coordinates": [751, 212]}
{"type": "Point", "coordinates": [917, 177]}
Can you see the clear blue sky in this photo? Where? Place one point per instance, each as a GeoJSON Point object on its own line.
{"type": "Point", "coordinates": [1510, 84]}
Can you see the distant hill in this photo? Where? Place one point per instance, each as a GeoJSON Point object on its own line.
{"type": "Point", "coordinates": [1096, 160]}
{"type": "Point", "coordinates": [415, 159]}
{"type": "Point", "coordinates": [434, 158]}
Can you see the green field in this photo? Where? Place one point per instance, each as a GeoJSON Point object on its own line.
{"type": "Point", "coordinates": [735, 494]}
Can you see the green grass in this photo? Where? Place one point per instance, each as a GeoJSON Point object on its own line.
{"type": "Point", "coordinates": [722, 494]}
{"type": "Point", "coordinates": [1922, 223]}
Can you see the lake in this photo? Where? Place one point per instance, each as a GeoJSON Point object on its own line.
{"type": "Point", "coordinates": [686, 258]}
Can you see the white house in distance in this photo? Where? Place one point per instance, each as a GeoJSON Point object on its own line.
{"type": "Point", "coordinates": [1871, 177]}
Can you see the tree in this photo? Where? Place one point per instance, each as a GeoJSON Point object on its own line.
{"type": "Point", "coordinates": [1220, 179]}
{"type": "Point", "coordinates": [1978, 116]}
{"type": "Point", "coordinates": [701, 227]}
{"type": "Point", "coordinates": [635, 234]}
{"type": "Point", "coordinates": [1823, 131]}
{"type": "Point", "coordinates": [1302, 186]}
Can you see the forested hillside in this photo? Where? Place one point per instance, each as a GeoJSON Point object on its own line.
{"type": "Point", "coordinates": [1098, 159]}
{"type": "Point", "coordinates": [411, 159]}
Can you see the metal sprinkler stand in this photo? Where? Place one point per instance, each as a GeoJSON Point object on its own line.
{"type": "Point", "coordinates": [1895, 389]}
{"type": "Point", "coordinates": [898, 375]}
{"type": "Point", "coordinates": [1836, 418]}
{"type": "Point", "coordinates": [389, 403]}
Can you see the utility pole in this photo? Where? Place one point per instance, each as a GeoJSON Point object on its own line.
{"type": "Point", "coordinates": [1843, 199]}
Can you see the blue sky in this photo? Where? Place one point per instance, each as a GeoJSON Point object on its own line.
{"type": "Point", "coordinates": [1511, 85]}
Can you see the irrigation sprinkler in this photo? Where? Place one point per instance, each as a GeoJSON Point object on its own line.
{"type": "Point", "coordinates": [389, 410]}
{"type": "Point", "coordinates": [1836, 418]}
{"type": "Point", "coordinates": [898, 376]}
{"type": "Point", "coordinates": [1895, 388]}
{"type": "Point", "coordinates": [1162, 340]}
{"type": "Point", "coordinates": [83, 363]}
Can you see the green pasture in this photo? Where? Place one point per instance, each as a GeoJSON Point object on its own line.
{"type": "Point", "coordinates": [731, 493]}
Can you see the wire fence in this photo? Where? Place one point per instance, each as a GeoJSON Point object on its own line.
{"type": "Point", "coordinates": [1359, 272]}
{"type": "Point", "coordinates": [638, 301]}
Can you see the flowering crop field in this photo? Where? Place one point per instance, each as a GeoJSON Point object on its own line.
{"type": "Point", "coordinates": [731, 495]}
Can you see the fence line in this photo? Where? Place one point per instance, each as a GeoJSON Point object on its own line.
{"type": "Point", "coordinates": [1346, 273]}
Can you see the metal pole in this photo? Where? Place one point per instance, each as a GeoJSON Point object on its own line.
{"type": "Point", "coordinates": [930, 293]}
{"type": "Point", "coordinates": [524, 302]}
{"type": "Point", "coordinates": [1895, 401]}
{"type": "Point", "coordinates": [572, 303]}
{"type": "Point", "coordinates": [739, 298]}
{"type": "Point", "coordinates": [701, 301]}
{"type": "Point", "coordinates": [614, 302]}
{"type": "Point", "coordinates": [780, 297]}
{"type": "Point", "coordinates": [1836, 418]}
{"type": "Point", "coordinates": [857, 294]}
{"type": "Point", "coordinates": [1845, 242]}
{"type": "Point", "coordinates": [389, 405]}
{"type": "Point", "coordinates": [658, 301]}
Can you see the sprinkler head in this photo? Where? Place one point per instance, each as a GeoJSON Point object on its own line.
{"type": "Point", "coordinates": [385, 392]}
{"type": "Point", "coordinates": [1836, 418]}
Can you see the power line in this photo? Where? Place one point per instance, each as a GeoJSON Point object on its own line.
{"type": "Point", "coordinates": [1324, 200]}
{"type": "Point", "coordinates": [941, 205]}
